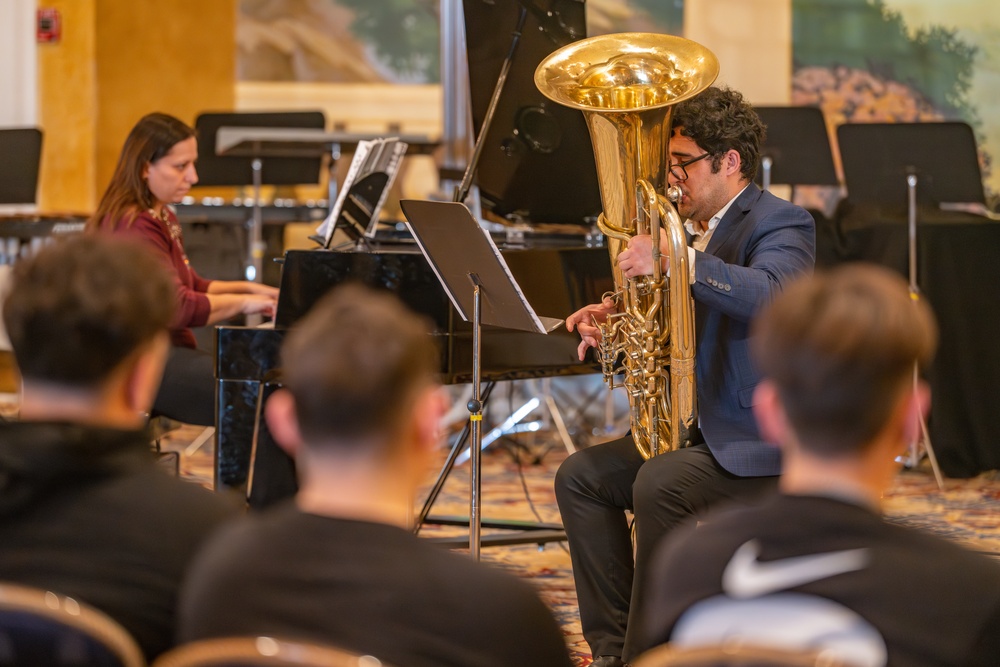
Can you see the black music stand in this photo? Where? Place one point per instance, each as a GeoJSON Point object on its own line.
{"type": "Point", "coordinates": [483, 291]}
{"type": "Point", "coordinates": [878, 157]}
{"type": "Point", "coordinates": [20, 159]}
{"type": "Point", "coordinates": [215, 169]}
{"type": "Point", "coordinates": [797, 148]}
{"type": "Point", "coordinates": [885, 162]}
{"type": "Point", "coordinates": [242, 168]}
{"type": "Point", "coordinates": [255, 144]}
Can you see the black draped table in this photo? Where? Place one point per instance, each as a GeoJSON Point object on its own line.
{"type": "Point", "coordinates": [958, 269]}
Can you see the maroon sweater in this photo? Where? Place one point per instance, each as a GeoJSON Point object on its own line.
{"type": "Point", "coordinates": [165, 238]}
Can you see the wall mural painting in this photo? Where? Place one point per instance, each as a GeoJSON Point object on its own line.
{"type": "Point", "coordinates": [608, 16]}
{"type": "Point", "coordinates": [338, 41]}
{"type": "Point", "coordinates": [859, 60]}
{"type": "Point", "coordinates": [385, 41]}
{"type": "Point", "coordinates": [902, 61]}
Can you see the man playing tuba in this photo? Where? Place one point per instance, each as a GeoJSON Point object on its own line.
{"type": "Point", "coordinates": [745, 245]}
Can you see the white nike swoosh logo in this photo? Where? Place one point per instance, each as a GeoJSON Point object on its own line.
{"type": "Point", "coordinates": [746, 577]}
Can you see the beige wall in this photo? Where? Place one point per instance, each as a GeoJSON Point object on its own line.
{"type": "Point", "coordinates": [753, 41]}
{"type": "Point", "coordinates": [353, 107]}
{"type": "Point", "coordinates": [118, 60]}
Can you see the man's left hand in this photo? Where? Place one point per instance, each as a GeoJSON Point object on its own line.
{"type": "Point", "coordinates": [637, 259]}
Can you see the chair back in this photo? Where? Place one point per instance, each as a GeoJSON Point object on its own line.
{"type": "Point", "coordinates": [736, 655]}
{"type": "Point", "coordinates": [40, 628]}
{"type": "Point", "coordinates": [261, 652]}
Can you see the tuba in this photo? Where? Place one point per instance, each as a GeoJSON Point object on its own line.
{"type": "Point", "coordinates": [626, 85]}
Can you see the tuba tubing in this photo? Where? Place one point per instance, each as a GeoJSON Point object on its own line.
{"type": "Point", "coordinates": [626, 85]}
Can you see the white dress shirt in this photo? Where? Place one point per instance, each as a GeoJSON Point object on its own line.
{"type": "Point", "coordinates": [700, 238]}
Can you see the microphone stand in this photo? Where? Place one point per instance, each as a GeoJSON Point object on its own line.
{"type": "Point", "coordinates": [924, 439]}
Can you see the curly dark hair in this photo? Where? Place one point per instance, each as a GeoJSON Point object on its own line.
{"type": "Point", "coordinates": [719, 120]}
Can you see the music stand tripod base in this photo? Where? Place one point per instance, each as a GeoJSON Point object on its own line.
{"type": "Point", "coordinates": [479, 284]}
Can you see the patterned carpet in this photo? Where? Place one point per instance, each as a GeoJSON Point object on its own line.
{"type": "Point", "coordinates": [967, 511]}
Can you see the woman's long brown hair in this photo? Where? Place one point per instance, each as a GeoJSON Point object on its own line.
{"type": "Point", "coordinates": [127, 193]}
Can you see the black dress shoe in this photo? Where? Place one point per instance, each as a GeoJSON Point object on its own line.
{"type": "Point", "coordinates": [608, 661]}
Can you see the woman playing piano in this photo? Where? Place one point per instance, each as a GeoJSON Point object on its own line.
{"type": "Point", "coordinates": [155, 169]}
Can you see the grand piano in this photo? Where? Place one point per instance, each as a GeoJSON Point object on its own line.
{"type": "Point", "coordinates": [556, 281]}
{"type": "Point", "coordinates": [536, 160]}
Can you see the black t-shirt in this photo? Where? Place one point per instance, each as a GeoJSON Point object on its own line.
{"type": "Point", "coordinates": [364, 587]}
{"type": "Point", "coordinates": [800, 570]}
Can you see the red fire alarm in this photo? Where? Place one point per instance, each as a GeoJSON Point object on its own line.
{"type": "Point", "coordinates": [49, 26]}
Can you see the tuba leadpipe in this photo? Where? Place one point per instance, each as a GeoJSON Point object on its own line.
{"type": "Point", "coordinates": [626, 85]}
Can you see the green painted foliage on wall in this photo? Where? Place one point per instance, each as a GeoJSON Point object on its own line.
{"type": "Point", "coordinates": [865, 34]}
{"type": "Point", "coordinates": [668, 14]}
{"type": "Point", "coordinates": [404, 33]}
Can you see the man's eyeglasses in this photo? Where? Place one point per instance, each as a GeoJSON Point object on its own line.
{"type": "Point", "coordinates": [679, 170]}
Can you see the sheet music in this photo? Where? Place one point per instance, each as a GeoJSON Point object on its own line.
{"type": "Point", "coordinates": [390, 156]}
{"type": "Point", "coordinates": [377, 156]}
{"type": "Point", "coordinates": [325, 229]}
{"type": "Point", "coordinates": [539, 327]}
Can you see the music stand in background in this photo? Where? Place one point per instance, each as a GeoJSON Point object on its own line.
{"type": "Point", "coordinates": [483, 291]}
{"type": "Point", "coordinates": [923, 164]}
{"type": "Point", "coordinates": [214, 169]}
{"type": "Point", "coordinates": [253, 170]}
{"type": "Point", "coordinates": [797, 148]}
{"type": "Point", "coordinates": [20, 160]}
{"type": "Point", "coordinates": [878, 157]}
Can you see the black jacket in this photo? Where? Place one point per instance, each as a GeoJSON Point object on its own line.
{"type": "Point", "coordinates": [87, 512]}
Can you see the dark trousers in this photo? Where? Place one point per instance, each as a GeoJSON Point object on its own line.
{"type": "Point", "coordinates": [594, 487]}
{"type": "Point", "coordinates": [187, 391]}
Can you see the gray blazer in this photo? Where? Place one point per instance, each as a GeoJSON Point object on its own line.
{"type": "Point", "coordinates": [760, 244]}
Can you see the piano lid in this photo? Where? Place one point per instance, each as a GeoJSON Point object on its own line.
{"type": "Point", "coordinates": [537, 161]}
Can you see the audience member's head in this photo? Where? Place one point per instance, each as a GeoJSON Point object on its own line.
{"type": "Point", "coordinates": [838, 352]}
{"type": "Point", "coordinates": [359, 377]}
{"type": "Point", "coordinates": [87, 317]}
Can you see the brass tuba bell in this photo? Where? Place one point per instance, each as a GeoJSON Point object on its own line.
{"type": "Point", "coordinates": [626, 85]}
